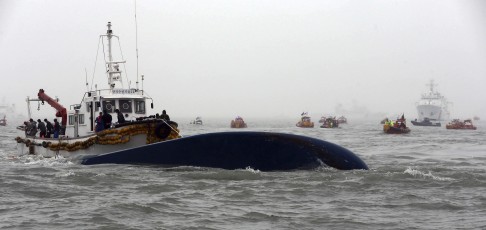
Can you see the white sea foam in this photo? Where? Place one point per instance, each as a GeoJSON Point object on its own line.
{"type": "Point", "coordinates": [249, 169]}
{"type": "Point", "coordinates": [417, 173]}
{"type": "Point", "coordinates": [66, 174]}
{"type": "Point", "coordinates": [39, 160]}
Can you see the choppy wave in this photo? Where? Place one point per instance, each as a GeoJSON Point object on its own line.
{"type": "Point", "coordinates": [428, 179]}
{"type": "Point", "coordinates": [417, 173]}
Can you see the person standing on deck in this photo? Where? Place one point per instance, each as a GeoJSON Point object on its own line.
{"type": "Point", "coordinates": [57, 128]}
{"type": "Point", "coordinates": [120, 117]}
{"type": "Point", "coordinates": [164, 116]}
{"type": "Point", "coordinates": [32, 127]}
{"type": "Point", "coordinates": [100, 125]}
{"type": "Point", "coordinates": [106, 119]}
{"type": "Point", "coordinates": [42, 127]}
{"type": "Point", "coordinates": [50, 128]}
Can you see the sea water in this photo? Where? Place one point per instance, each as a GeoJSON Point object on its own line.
{"type": "Point", "coordinates": [431, 178]}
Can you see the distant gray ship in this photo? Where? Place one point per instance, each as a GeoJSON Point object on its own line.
{"type": "Point", "coordinates": [432, 105]}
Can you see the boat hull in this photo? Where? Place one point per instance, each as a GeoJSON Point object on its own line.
{"type": "Point", "coordinates": [463, 127]}
{"type": "Point", "coordinates": [237, 150]}
{"type": "Point", "coordinates": [395, 130]}
{"type": "Point", "coordinates": [329, 127]}
{"type": "Point", "coordinates": [422, 123]}
{"type": "Point", "coordinates": [457, 124]}
{"type": "Point", "coordinates": [432, 112]}
{"type": "Point", "coordinates": [304, 124]}
{"type": "Point", "coordinates": [124, 136]}
{"type": "Point", "coordinates": [35, 147]}
{"type": "Point", "coordinates": [238, 125]}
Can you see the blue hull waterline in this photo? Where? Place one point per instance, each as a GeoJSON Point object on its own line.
{"type": "Point", "coordinates": [237, 150]}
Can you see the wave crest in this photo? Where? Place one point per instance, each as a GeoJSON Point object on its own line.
{"type": "Point", "coordinates": [417, 173]}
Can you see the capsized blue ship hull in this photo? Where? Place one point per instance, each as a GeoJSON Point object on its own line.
{"type": "Point", "coordinates": [264, 151]}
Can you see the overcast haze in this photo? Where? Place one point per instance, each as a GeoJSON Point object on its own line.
{"type": "Point", "coordinates": [261, 58]}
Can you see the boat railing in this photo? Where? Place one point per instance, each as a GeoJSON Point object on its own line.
{"type": "Point", "coordinates": [61, 138]}
{"type": "Point", "coordinates": [101, 92]}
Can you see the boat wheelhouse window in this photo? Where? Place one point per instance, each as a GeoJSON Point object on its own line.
{"type": "Point", "coordinates": [81, 119]}
{"type": "Point", "coordinates": [71, 120]}
{"type": "Point", "coordinates": [140, 107]}
{"type": "Point", "coordinates": [109, 105]}
{"type": "Point", "coordinates": [125, 106]}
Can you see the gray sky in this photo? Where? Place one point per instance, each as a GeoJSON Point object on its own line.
{"type": "Point", "coordinates": [254, 58]}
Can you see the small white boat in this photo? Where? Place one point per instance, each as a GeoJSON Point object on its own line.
{"type": "Point", "coordinates": [197, 121]}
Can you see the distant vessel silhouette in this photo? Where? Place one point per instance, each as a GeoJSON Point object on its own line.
{"type": "Point", "coordinates": [432, 105]}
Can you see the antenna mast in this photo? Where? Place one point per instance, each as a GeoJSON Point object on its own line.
{"type": "Point", "coordinates": [136, 36]}
{"type": "Point", "coordinates": [86, 73]}
{"type": "Point", "coordinates": [113, 71]}
{"type": "Point", "coordinates": [109, 34]}
{"type": "Point", "coordinates": [431, 85]}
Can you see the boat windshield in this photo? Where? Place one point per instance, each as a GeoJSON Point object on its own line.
{"type": "Point", "coordinates": [139, 106]}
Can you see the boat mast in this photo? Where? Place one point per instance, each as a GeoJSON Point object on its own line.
{"type": "Point", "coordinates": [136, 37]}
{"type": "Point", "coordinates": [114, 73]}
{"type": "Point", "coordinates": [431, 86]}
{"type": "Point", "coordinates": [109, 35]}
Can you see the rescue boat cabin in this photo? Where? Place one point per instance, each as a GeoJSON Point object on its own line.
{"type": "Point", "coordinates": [81, 119]}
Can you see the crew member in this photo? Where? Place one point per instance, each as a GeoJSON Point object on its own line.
{"type": "Point", "coordinates": [107, 119]}
{"type": "Point", "coordinates": [99, 123]}
{"type": "Point", "coordinates": [164, 116]}
{"type": "Point", "coordinates": [42, 127]}
{"type": "Point", "coordinates": [50, 128]}
{"type": "Point", "coordinates": [57, 128]}
{"type": "Point", "coordinates": [120, 117]}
